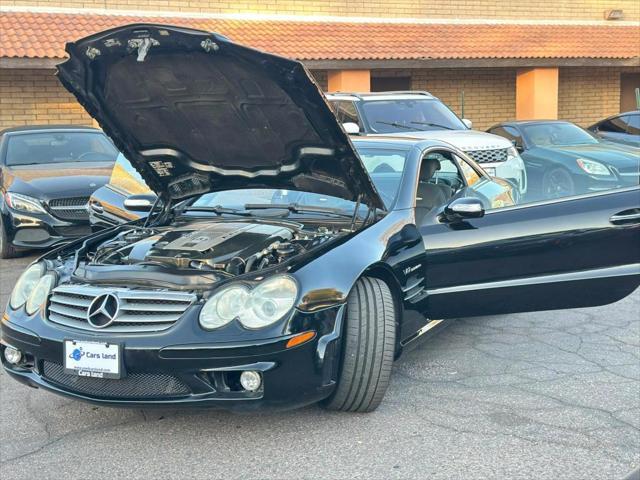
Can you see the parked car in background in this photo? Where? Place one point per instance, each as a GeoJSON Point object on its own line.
{"type": "Point", "coordinates": [108, 205]}
{"type": "Point", "coordinates": [47, 175]}
{"type": "Point", "coordinates": [621, 128]}
{"type": "Point", "coordinates": [421, 115]}
{"type": "Point", "coordinates": [563, 159]}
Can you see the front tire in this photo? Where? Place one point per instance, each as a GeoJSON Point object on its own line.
{"type": "Point", "coordinates": [368, 348]}
{"type": "Point", "coordinates": [6, 249]}
{"type": "Point", "coordinates": [557, 183]}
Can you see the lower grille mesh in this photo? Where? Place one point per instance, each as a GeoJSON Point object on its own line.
{"type": "Point", "coordinates": [134, 385]}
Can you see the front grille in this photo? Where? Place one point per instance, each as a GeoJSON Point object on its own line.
{"type": "Point", "coordinates": [133, 386]}
{"type": "Point", "coordinates": [487, 156]}
{"type": "Point", "coordinates": [137, 311]}
{"type": "Point", "coordinates": [74, 208]}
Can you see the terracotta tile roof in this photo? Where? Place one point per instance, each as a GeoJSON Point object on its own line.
{"type": "Point", "coordinates": [42, 35]}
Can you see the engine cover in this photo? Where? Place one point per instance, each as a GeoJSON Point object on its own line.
{"type": "Point", "coordinates": [209, 244]}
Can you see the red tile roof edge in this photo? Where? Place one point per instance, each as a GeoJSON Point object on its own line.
{"type": "Point", "coordinates": [42, 35]}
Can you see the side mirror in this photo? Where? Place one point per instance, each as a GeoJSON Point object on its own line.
{"type": "Point", "coordinates": [463, 209]}
{"type": "Point", "coordinates": [518, 145]}
{"type": "Point", "coordinates": [351, 128]}
{"type": "Point", "coordinates": [468, 123]}
{"type": "Point", "coordinates": [140, 203]}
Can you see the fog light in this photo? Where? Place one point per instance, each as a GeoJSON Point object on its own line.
{"type": "Point", "coordinates": [250, 380]}
{"type": "Point", "coordinates": [12, 355]}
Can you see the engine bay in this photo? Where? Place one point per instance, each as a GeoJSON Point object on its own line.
{"type": "Point", "coordinates": [229, 247]}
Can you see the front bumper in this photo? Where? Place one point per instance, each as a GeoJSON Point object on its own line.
{"type": "Point", "coordinates": [41, 230]}
{"type": "Point", "coordinates": [162, 369]}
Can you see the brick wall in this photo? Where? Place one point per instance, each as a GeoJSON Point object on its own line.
{"type": "Point", "coordinates": [36, 97]}
{"type": "Point", "coordinates": [586, 95]}
{"type": "Point", "coordinates": [489, 93]}
{"type": "Point", "coordinates": [514, 9]}
{"type": "Point", "coordinates": [29, 97]}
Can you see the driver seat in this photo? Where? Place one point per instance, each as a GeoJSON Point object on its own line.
{"type": "Point", "coordinates": [430, 195]}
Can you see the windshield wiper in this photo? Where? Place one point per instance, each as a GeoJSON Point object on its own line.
{"type": "Point", "coordinates": [399, 125]}
{"type": "Point", "coordinates": [295, 208]}
{"type": "Point", "coordinates": [429, 124]}
{"type": "Point", "coordinates": [218, 210]}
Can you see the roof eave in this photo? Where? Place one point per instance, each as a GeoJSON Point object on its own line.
{"type": "Point", "coordinates": [369, 64]}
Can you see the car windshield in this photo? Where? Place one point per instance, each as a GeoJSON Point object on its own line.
{"type": "Point", "coordinates": [385, 167]}
{"type": "Point", "coordinates": [392, 116]}
{"type": "Point", "coordinates": [55, 147]}
{"type": "Point", "coordinates": [556, 134]}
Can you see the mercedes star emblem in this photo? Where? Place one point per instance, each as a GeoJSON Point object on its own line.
{"type": "Point", "coordinates": [103, 310]}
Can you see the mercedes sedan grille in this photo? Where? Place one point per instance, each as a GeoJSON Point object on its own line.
{"type": "Point", "coordinates": [116, 310]}
{"type": "Point", "coordinates": [74, 208]}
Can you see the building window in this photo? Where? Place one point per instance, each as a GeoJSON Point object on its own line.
{"type": "Point", "coordinates": [385, 84]}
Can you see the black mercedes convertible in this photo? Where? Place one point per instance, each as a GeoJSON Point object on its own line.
{"type": "Point", "coordinates": [279, 265]}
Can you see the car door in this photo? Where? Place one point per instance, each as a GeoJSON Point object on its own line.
{"type": "Point", "coordinates": [573, 252]}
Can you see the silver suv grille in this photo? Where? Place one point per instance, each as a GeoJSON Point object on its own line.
{"type": "Point", "coordinates": [486, 156]}
{"type": "Point", "coordinates": [73, 208]}
{"type": "Point", "coordinates": [134, 311]}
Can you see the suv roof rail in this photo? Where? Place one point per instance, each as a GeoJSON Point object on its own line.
{"type": "Point", "coordinates": [390, 92]}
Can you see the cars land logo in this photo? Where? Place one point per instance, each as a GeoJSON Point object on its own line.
{"type": "Point", "coordinates": [77, 354]}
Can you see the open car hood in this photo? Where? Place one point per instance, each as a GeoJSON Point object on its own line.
{"type": "Point", "coordinates": [195, 113]}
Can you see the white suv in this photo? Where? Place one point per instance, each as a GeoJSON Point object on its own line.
{"type": "Point", "coordinates": [420, 114]}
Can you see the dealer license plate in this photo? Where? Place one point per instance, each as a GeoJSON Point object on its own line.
{"type": "Point", "coordinates": [92, 359]}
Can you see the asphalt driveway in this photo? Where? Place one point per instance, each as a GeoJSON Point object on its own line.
{"type": "Point", "coordinates": [553, 395]}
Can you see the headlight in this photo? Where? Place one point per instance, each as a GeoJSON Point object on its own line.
{"type": "Point", "coordinates": [592, 168]}
{"type": "Point", "coordinates": [24, 203]}
{"type": "Point", "coordinates": [40, 293]}
{"type": "Point", "coordinates": [512, 152]}
{"type": "Point", "coordinates": [26, 284]}
{"type": "Point", "coordinates": [254, 308]}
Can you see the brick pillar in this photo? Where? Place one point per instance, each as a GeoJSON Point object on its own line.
{"type": "Point", "coordinates": [349, 81]}
{"type": "Point", "coordinates": [537, 94]}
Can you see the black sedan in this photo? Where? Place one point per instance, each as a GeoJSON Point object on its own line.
{"type": "Point", "coordinates": [622, 128]}
{"type": "Point", "coordinates": [563, 159]}
{"type": "Point", "coordinates": [47, 174]}
{"type": "Point", "coordinates": [223, 297]}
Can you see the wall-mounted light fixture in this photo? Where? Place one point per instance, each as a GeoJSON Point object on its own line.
{"type": "Point", "coordinates": [613, 14]}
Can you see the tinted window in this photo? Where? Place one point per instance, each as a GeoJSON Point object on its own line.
{"type": "Point", "coordinates": [53, 147]}
{"type": "Point", "coordinates": [126, 178]}
{"type": "Point", "coordinates": [346, 112]}
{"type": "Point", "coordinates": [616, 125]}
{"type": "Point", "coordinates": [470, 175]}
{"type": "Point", "coordinates": [633, 127]}
{"type": "Point", "coordinates": [556, 134]}
{"type": "Point", "coordinates": [392, 116]}
{"type": "Point", "coordinates": [509, 133]}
